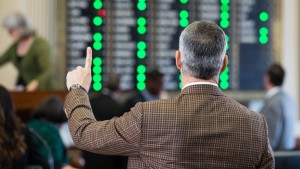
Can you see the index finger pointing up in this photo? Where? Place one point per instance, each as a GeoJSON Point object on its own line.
{"type": "Point", "coordinates": [89, 58]}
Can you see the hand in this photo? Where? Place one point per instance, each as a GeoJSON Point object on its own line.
{"type": "Point", "coordinates": [82, 75]}
{"type": "Point", "coordinates": [32, 86]}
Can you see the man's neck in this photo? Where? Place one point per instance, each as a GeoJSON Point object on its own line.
{"type": "Point", "coordinates": [188, 79]}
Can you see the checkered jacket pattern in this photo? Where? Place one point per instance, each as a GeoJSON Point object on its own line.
{"type": "Point", "coordinates": [199, 129]}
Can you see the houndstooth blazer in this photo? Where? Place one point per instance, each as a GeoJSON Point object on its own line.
{"type": "Point", "coordinates": [200, 128]}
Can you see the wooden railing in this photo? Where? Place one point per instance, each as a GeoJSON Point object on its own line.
{"type": "Point", "coordinates": [26, 102]}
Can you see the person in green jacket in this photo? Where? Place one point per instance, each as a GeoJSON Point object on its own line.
{"type": "Point", "coordinates": [29, 53]}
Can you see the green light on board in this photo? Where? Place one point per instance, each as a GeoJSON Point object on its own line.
{"type": "Point", "coordinates": [141, 69]}
{"type": "Point", "coordinates": [141, 77]}
{"type": "Point", "coordinates": [263, 31]}
{"type": "Point", "coordinates": [183, 14]}
{"type": "Point", "coordinates": [97, 70]}
{"type": "Point", "coordinates": [97, 86]}
{"type": "Point", "coordinates": [97, 61]}
{"type": "Point", "coordinates": [225, 8]}
{"type": "Point", "coordinates": [227, 46]}
{"type": "Point", "coordinates": [264, 16]}
{"type": "Point", "coordinates": [180, 77]}
{"type": "Point", "coordinates": [184, 23]}
{"type": "Point", "coordinates": [224, 24]}
{"type": "Point", "coordinates": [142, 30]}
{"type": "Point", "coordinates": [227, 38]}
{"type": "Point", "coordinates": [225, 1]}
{"type": "Point", "coordinates": [97, 4]}
{"type": "Point", "coordinates": [180, 85]}
{"type": "Point", "coordinates": [141, 86]}
{"type": "Point", "coordinates": [263, 39]}
{"type": "Point", "coordinates": [141, 21]}
{"type": "Point", "coordinates": [224, 85]}
{"type": "Point", "coordinates": [97, 45]}
{"type": "Point", "coordinates": [97, 78]}
{"type": "Point", "coordinates": [97, 37]}
{"type": "Point", "coordinates": [224, 15]}
{"type": "Point", "coordinates": [184, 1]}
{"type": "Point", "coordinates": [224, 77]}
{"type": "Point", "coordinates": [141, 54]}
{"type": "Point", "coordinates": [97, 21]}
{"type": "Point", "coordinates": [141, 6]}
{"type": "Point", "coordinates": [141, 45]}
{"type": "Point", "coordinates": [226, 70]}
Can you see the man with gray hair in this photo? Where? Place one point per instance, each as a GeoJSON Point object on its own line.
{"type": "Point", "coordinates": [200, 128]}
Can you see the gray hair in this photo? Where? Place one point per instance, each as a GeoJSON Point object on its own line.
{"type": "Point", "coordinates": [19, 22]}
{"type": "Point", "coordinates": [202, 46]}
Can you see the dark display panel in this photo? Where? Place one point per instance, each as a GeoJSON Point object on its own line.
{"type": "Point", "coordinates": [131, 37]}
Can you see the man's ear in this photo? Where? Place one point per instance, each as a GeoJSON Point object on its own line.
{"type": "Point", "coordinates": [225, 62]}
{"type": "Point", "coordinates": [178, 60]}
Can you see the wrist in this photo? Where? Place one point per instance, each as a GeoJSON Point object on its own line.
{"type": "Point", "coordinates": [76, 86]}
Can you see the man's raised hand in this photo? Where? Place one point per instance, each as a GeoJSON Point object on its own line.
{"type": "Point", "coordinates": [81, 75]}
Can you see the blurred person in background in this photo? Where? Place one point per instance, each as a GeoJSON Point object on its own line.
{"type": "Point", "coordinates": [105, 107]}
{"type": "Point", "coordinates": [279, 110]}
{"type": "Point", "coordinates": [46, 120]}
{"type": "Point", "coordinates": [154, 86]}
{"type": "Point", "coordinates": [17, 148]}
{"type": "Point", "coordinates": [29, 53]}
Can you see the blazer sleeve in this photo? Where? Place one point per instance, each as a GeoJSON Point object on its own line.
{"type": "Point", "coordinates": [118, 136]}
{"type": "Point", "coordinates": [267, 160]}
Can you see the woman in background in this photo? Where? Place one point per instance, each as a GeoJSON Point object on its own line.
{"type": "Point", "coordinates": [46, 120]}
{"type": "Point", "coordinates": [17, 149]}
{"type": "Point", "coordinates": [29, 53]}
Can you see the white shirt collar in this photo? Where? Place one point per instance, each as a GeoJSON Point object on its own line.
{"type": "Point", "coordinates": [199, 83]}
{"type": "Point", "coordinates": [272, 92]}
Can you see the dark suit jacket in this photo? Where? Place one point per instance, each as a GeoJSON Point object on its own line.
{"type": "Point", "coordinates": [104, 108]}
{"type": "Point", "coordinates": [201, 128]}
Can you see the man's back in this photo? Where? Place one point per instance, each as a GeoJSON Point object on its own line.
{"type": "Point", "coordinates": [280, 112]}
{"type": "Point", "coordinates": [201, 128]}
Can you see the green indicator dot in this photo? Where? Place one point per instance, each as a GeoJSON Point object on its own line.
{"type": "Point", "coordinates": [97, 61]}
{"type": "Point", "coordinates": [142, 29]}
{"type": "Point", "coordinates": [141, 54]}
{"type": "Point", "coordinates": [184, 23]}
{"type": "Point", "coordinates": [97, 78]}
{"type": "Point", "coordinates": [141, 86]}
{"type": "Point", "coordinates": [183, 14]}
{"type": "Point", "coordinates": [225, 8]}
{"type": "Point", "coordinates": [97, 70]}
{"type": "Point", "coordinates": [226, 70]}
{"type": "Point", "coordinates": [224, 24]}
{"type": "Point", "coordinates": [180, 85]}
{"type": "Point", "coordinates": [224, 85]}
{"type": "Point", "coordinates": [263, 16]}
{"type": "Point", "coordinates": [224, 15]}
{"type": "Point", "coordinates": [141, 77]}
{"type": "Point", "coordinates": [180, 77]}
{"type": "Point", "coordinates": [263, 39]}
{"type": "Point", "coordinates": [224, 77]}
{"type": "Point", "coordinates": [97, 21]}
{"type": "Point", "coordinates": [227, 46]}
{"type": "Point", "coordinates": [184, 1]}
{"type": "Point", "coordinates": [141, 21]}
{"type": "Point", "coordinates": [97, 37]}
{"type": "Point", "coordinates": [97, 45]}
{"type": "Point", "coordinates": [141, 69]}
{"type": "Point", "coordinates": [227, 38]}
{"type": "Point", "coordinates": [264, 31]}
{"type": "Point", "coordinates": [97, 4]}
{"type": "Point", "coordinates": [97, 86]}
{"type": "Point", "coordinates": [225, 1]}
{"type": "Point", "coordinates": [141, 45]}
{"type": "Point", "coordinates": [141, 6]}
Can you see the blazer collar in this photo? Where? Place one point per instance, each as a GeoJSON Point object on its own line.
{"type": "Point", "coordinates": [203, 89]}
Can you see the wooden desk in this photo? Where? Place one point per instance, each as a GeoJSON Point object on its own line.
{"type": "Point", "coordinates": [26, 102]}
